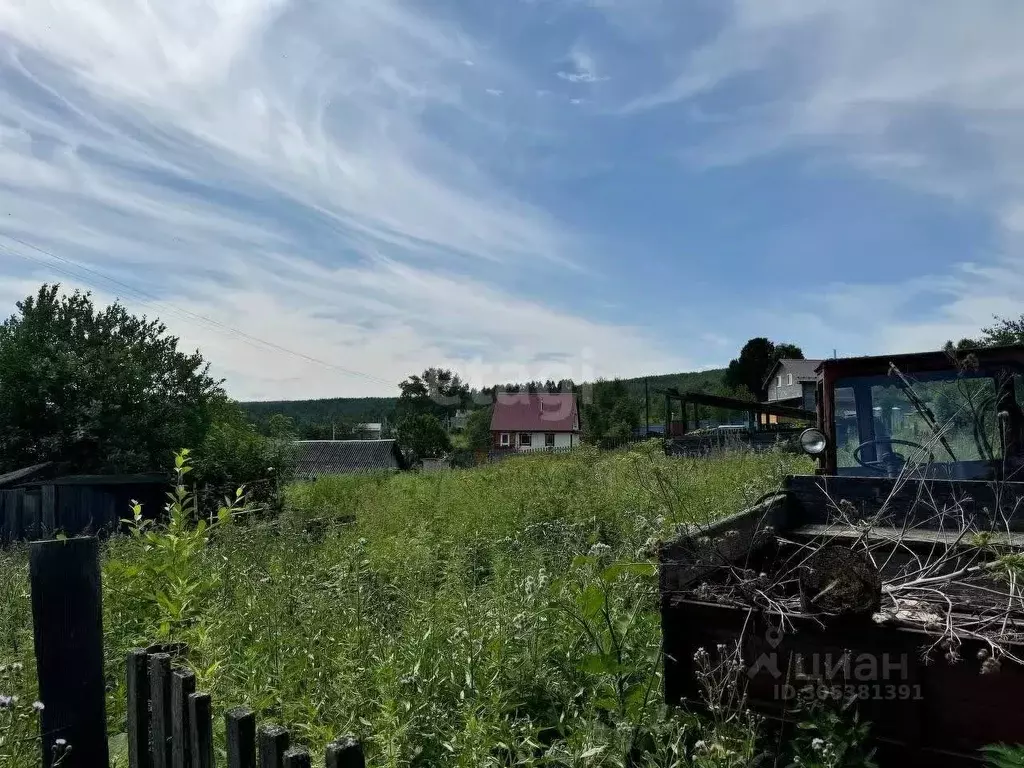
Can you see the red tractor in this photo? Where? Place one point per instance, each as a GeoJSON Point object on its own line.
{"type": "Point", "coordinates": [892, 579]}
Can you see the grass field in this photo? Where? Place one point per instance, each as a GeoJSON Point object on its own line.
{"type": "Point", "coordinates": [504, 615]}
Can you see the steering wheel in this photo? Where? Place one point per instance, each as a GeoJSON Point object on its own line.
{"type": "Point", "coordinates": [894, 461]}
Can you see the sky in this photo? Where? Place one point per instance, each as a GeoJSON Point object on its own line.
{"type": "Point", "coordinates": [325, 196]}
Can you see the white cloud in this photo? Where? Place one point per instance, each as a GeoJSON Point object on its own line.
{"type": "Point", "coordinates": [584, 68]}
{"type": "Point", "coordinates": [929, 96]}
{"type": "Point", "coordinates": [267, 165]}
{"type": "Point", "coordinates": [385, 322]}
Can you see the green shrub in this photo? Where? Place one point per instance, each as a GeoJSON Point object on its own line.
{"type": "Point", "coordinates": [502, 615]}
{"type": "Point", "coordinates": [234, 453]}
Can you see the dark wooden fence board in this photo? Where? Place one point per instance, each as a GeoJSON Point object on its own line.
{"type": "Point", "coordinates": [200, 716]}
{"type": "Point", "coordinates": [67, 615]}
{"type": "Point", "coordinates": [47, 504]}
{"type": "Point", "coordinates": [240, 726]}
{"type": "Point", "coordinates": [183, 685]}
{"type": "Point", "coordinates": [138, 710]}
{"type": "Point", "coordinates": [273, 743]}
{"type": "Point", "coordinates": [76, 507]}
{"type": "Point", "coordinates": [160, 699]}
{"type": "Point", "coordinates": [345, 753]}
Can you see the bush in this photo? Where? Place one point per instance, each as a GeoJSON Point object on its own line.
{"type": "Point", "coordinates": [234, 453]}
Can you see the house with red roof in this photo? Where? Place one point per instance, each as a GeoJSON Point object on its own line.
{"type": "Point", "coordinates": [524, 421]}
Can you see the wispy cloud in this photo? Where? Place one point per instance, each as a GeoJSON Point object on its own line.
{"type": "Point", "coordinates": [926, 97]}
{"type": "Point", "coordinates": [285, 170]}
{"type": "Point", "coordinates": [343, 180]}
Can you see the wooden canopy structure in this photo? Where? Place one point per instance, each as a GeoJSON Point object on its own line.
{"type": "Point", "coordinates": [752, 409]}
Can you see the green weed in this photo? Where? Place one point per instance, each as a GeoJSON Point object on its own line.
{"type": "Point", "coordinates": [499, 616]}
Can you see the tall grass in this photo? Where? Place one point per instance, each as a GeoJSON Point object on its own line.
{"type": "Point", "coordinates": [504, 615]}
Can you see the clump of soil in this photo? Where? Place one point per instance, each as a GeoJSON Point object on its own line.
{"type": "Point", "coordinates": [836, 580]}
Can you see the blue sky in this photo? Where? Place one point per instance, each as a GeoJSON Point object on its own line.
{"type": "Point", "coordinates": [326, 196]}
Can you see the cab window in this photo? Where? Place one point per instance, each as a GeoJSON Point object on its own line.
{"type": "Point", "coordinates": [950, 418]}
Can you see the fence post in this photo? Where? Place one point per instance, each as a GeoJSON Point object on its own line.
{"type": "Point", "coordinates": [139, 754]}
{"type": "Point", "coordinates": [240, 729]}
{"type": "Point", "coordinates": [273, 742]}
{"type": "Point", "coordinates": [183, 685]}
{"type": "Point", "coordinates": [160, 712]}
{"type": "Point", "coordinates": [346, 752]}
{"type": "Point", "coordinates": [201, 730]}
{"type": "Point", "coordinates": [67, 619]}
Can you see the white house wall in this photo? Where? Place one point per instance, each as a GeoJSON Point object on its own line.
{"type": "Point", "coordinates": [562, 440]}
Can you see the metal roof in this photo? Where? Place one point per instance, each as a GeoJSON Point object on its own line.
{"type": "Point", "coordinates": [23, 473]}
{"type": "Point", "coordinates": [317, 458]}
{"type": "Point", "coordinates": [534, 412]}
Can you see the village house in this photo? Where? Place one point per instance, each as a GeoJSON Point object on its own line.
{"type": "Point", "coordinates": [792, 383]}
{"type": "Point", "coordinates": [528, 422]}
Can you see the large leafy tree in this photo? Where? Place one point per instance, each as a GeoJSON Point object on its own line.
{"type": "Point", "coordinates": [423, 436]}
{"type": "Point", "coordinates": [609, 418]}
{"type": "Point", "coordinates": [437, 391]}
{"type": "Point", "coordinates": [97, 389]}
{"type": "Point", "coordinates": [748, 371]}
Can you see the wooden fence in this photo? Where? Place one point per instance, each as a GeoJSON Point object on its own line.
{"type": "Point", "coordinates": [170, 724]}
{"type": "Point", "coordinates": [76, 505]}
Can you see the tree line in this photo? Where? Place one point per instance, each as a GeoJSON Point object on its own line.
{"type": "Point", "coordinates": [103, 391]}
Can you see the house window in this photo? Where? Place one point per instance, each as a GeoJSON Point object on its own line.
{"type": "Point", "coordinates": [779, 383]}
{"type": "Point", "coordinates": [549, 439]}
{"type": "Point", "coordinates": [790, 380]}
{"type": "Point", "coordinates": [504, 438]}
{"type": "Point", "coordinates": [525, 440]}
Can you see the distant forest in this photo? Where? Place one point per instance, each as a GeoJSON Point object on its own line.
{"type": "Point", "coordinates": [338, 416]}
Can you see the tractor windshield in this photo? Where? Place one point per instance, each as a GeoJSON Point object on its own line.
{"type": "Point", "coordinates": [947, 422]}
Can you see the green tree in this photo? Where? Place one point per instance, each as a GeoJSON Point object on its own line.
{"type": "Point", "coordinates": [437, 391]}
{"type": "Point", "coordinates": [97, 390]}
{"type": "Point", "coordinates": [423, 436]}
{"type": "Point", "coordinates": [609, 418]}
{"type": "Point", "coordinates": [234, 453]}
{"type": "Point", "coordinates": [748, 371]}
{"type": "Point", "coordinates": [478, 428]}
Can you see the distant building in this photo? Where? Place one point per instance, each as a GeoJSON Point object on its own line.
{"type": "Point", "coordinates": [528, 422]}
{"type": "Point", "coordinates": [372, 430]}
{"type": "Point", "coordinates": [317, 458]}
{"type": "Point", "coordinates": [792, 383]}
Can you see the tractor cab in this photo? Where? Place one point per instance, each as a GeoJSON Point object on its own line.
{"type": "Point", "coordinates": [940, 415]}
{"type": "Point", "coordinates": [913, 525]}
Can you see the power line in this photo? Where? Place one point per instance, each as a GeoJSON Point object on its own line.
{"type": "Point", "coordinates": [151, 300]}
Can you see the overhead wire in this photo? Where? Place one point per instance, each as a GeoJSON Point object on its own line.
{"type": "Point", "coordinates": [144, 297]}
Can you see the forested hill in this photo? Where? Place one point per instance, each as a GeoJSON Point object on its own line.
{"type": "Point", "coordinates": [315, 418]}
{"type": "Point", "coordinates": [329, 411]}
{"type": "Point", "coordinates": [695, 381]}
